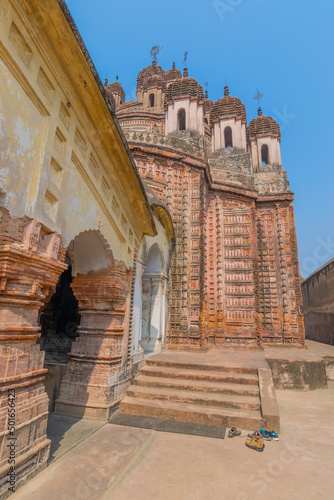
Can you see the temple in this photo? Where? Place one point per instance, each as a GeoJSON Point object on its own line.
{"type": "Point", "coordinates": [234, 276]}
{"type": "Point", "coordinates": [128, 229]}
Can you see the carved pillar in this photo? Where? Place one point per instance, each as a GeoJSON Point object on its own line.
{"type": "Point", "coordinates": [284, 275]}
{"type": "Point", "coordinates": [92, 381]}
{"type": "Point", "coordinates": [296, 276]}
{"type": "Point", "coordinates": [26, 278]}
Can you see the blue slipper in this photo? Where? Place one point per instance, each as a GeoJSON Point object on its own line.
{"type": "Point", "coordinates": [274, 435]}
{"type": "Point", "coordinates": [265, 434]}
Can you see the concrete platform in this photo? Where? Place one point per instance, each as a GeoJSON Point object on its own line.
{"type": "Point", "coordinates": [203, 394]}
{"type": "Point", "coordinates": [118, 463]}
{"type": "Point", "coordinates": [292, 368]}
{"type": "Point", "coordinates": [196, 386]}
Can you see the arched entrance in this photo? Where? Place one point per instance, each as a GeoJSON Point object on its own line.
{"type": "Point", "coordinates": [59, 322]}
{"type": "Point", "coordinates": [95, 373]}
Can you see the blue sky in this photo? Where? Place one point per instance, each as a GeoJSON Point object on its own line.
{"type": "Point", "coordinates": [283, 47]}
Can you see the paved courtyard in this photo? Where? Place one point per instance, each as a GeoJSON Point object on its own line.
{"type": "Point", "coordinates": [91, 461]}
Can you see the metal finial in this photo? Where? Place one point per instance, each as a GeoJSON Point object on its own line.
{"type": "Point", "coordinates": [258, 96]}
{"type": "Point", "coordinates": [117, 77]}
{"type": "Point", "coordinates": [185, 59]}
{"type": "Point", "coordinates": [154, 52]}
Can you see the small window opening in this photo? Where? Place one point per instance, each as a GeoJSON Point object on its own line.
{"type": "Point", "coordinates": [265, 154]}
{"type": "Point", "coordinates": [206, 120]}
{"type": "Point", "coordinates": [151, 100]}
{"type": "Point", "coordinates": [181, 118]}
{"type": "Point", "coordinates": [228, 137]}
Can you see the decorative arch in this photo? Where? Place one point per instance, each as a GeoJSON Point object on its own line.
{"type": "Point", "coordinates": [181, 119]}
{"type": "Point", "coordinates": [265, 155]}
{"type": "Point", "coordinates": [89, 251]}
{"type": "Point", "coordinates": [228, 137]}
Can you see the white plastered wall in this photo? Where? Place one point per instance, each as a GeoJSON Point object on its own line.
{"type": "Point", "coordinates": [238, 134]}
{"type": "Point", "coordinates": [194, 115]}
{"type": "Point", "coordinates": [273, 147]}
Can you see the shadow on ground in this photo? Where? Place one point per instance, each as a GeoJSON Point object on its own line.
{"type": "Point", "coordinates": [65, 433]}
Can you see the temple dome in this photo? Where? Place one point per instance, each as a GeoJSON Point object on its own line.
{"type": "Point", "coordinates": [184, 87]}
{"type": "Point", "coordinates": [172, 74]}
{"type": "Point", "coordinates": [146, 73]}
{"type": "Point", "coordinates": [109, 95]}
{"type": "Point", "coordinates": [263, 126]}
{"type": "Point", "coordinates": [228, 107]}
{"type": "Point", "coordinates": [155, 80]}
{"type": "Point", "coordinates": [115, 88]}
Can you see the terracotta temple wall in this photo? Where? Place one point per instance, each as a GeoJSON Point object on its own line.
{"type": "Point", "coordinates": [234, 275]}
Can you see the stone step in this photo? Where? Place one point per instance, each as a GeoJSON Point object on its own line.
{"type": "Point", "coordinates": [182, 412]}
{"type": "Point", "coordinates": [197, 385]}
{"type": "Point", "coordinates": [214, 376]}
{"type": "Point", "coordinates": [201, 366]}
{"type": "Point", "coordinates": [204, 399]}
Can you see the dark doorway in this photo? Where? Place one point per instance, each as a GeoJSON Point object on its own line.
{"type": "Point", "coordinates": [181, 119]}
{"type": "Point", "coordinates": [228, 137]}
{"type": "Point", "coordinates": [59, 320]}
{"type": "Point", "coordinates": [265, 154]}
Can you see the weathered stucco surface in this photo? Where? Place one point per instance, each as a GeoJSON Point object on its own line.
{"type": "Point", "coordinates": [54, 152]}
{"type": "Point", "coordinates": [71, 204]}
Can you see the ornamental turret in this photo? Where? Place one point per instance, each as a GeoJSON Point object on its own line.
{"type": "Point", "coordinates": [151, 86]}
{"type": "Point", "coordinates": [115, 89]}
{"type": "Point", "coordinates": [184, 100]}
{"type": "Point", "coordinates": [228, 122]}
{"type": "Point", "coordinates": [172, 74]}
{"type": "Point", "coordinates": [264, 136]}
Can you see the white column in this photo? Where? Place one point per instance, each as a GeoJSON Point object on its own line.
{"type": "Point", "coordinates": [137, 307]}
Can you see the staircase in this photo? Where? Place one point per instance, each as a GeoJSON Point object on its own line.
{"type": "Point", "coordinates": [242, 396]}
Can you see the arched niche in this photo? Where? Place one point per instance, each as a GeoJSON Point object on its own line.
{"type": "Point", "coordinates": [151, 100]}
{"type": "Point", "coordinates": [265, 155]}
{"type": "Point", "coordinates": [154, 261]}
{"type": "Point", "coordinates": [228, 137]}
{"type": "Point", "coordinates": [181, 119]}
{"type": "Point", "coordinates": [154, 289]}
